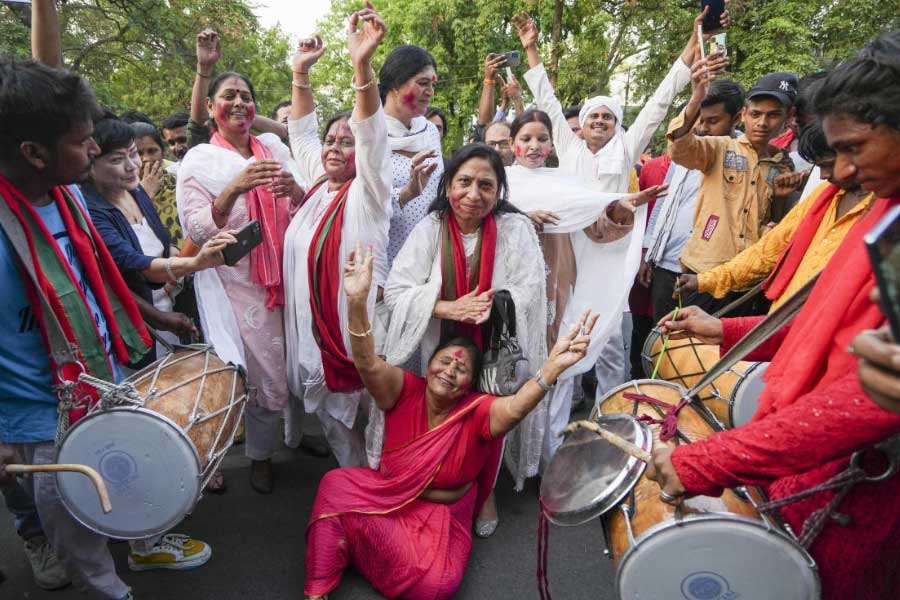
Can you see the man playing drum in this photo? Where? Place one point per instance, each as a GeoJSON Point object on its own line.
{"type": "Point", "coordinates": [814, 414]}
{"type": "Point", "coordinates": [45, 147]}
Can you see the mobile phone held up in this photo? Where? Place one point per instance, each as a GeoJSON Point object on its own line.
{"type": "Point", "coordinates": [248, 237]}
{"type": "Point", "coordinates": [712, 20]}
{"type": "Point", "coordinates": [512, 58]}
{"type": "Point", "coordinates": [883, 244]}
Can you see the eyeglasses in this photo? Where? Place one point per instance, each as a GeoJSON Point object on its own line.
{"type": "Point", "coordinates": [497, 144]}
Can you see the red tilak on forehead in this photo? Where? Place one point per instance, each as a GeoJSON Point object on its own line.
{"type": "Point", "coordinates": [459, 355]}
{"type": "Point", "coordinates": [434, 79]}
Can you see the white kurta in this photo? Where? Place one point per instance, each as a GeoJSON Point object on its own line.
{"type": "Point", "coordinates": [366, 220]}
{"type": "Point", "coordinates": [613, 174]}
{"type": "Point", "coordinates": [414, 286]}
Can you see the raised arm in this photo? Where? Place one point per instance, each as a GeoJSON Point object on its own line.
{"type": "Point", "coordinates": [509, 411]}
{"type": "Point", "coordinates": [364, 34]}
{"type": "Point", "coordinates": [303, 127]}
{"type": "Point", "coordinates": [486, 108]}
{"type": "Point", "coordinates": [383, 381]}
{"type": "Point", "coordinates": [209, 51]}
{"type": "Point", "coordinates": [46, 46]}
{"type": "Point", "coordinates": [513, 91]}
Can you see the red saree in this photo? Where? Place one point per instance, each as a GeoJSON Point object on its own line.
{"type": "Point", "coordinates": [404, 546]}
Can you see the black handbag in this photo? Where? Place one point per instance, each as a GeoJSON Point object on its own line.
{"type": "Point", "coordinates": [504, 369]}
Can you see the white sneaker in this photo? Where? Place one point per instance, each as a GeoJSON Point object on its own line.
{"type": "Point", "coordinates": [173, 551]}
{"type": "Point", "coordinates": [49, 574]}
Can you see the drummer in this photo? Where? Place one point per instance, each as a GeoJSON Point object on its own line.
{"type": "Point", "coordinates": [45, 148]}
{"type": "Point", "coordinates": [814, 414]}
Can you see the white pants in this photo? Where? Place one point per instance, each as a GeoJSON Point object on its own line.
{"type": "Point", "coordinates": [84, 553]}
{"type": "Point", "coordinates": [264, 433]}
{"type": "Point", "coordinates": [612, 366]}
{"type": "Point", "coordinates": [348, 445]}
{"type": "Point", "coordinates": [297, 423]}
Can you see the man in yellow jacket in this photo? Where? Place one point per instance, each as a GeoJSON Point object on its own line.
{"type": "Point", "coordinates": [796, 249]}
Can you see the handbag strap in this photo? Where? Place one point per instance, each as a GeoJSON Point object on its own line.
{"type": "Point", "coordinates": [61, 350]}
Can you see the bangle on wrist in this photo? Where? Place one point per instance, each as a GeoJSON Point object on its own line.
{"type": "Point", "coordinates": [365, 333]}
{"type": "Point", "coordinates": [170, 274]}
{"type": "Point", "coordinates": [218, 212]}
{"type": "Point", "coordinates": [199, 74]}
{"type": "Point", "coordinates": [488, 81]}
{"type": "Point", "coordinates": [539, 379]}
{"type": "Point", "coordinates": [302, 86]}
{"type": "Point", "coordinates": [365, 86]}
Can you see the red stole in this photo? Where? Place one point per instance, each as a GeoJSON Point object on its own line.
{"type": "Point", "coordinates": [453, 266]}
{"type": "Point", "coordinates": [793, 254]}
{"type": "Point", "coordinates": [814, 352]}
{"type": "Point", "coordinates": [273, 214]}
{"type": "Point", "coordinates": [325, 272]}
{"type": "Point", "coordinates": [406, 471]}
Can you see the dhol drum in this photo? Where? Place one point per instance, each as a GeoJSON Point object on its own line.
{"type": "Point", "coordinates": [686, 361]}
{"type": "Point", "coordinates": [707, 549]}
{"type": "Point", "coordinates": [155, 455]}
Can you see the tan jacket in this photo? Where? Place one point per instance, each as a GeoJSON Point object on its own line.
{"type": "Point", "coordinates": [735, 197]}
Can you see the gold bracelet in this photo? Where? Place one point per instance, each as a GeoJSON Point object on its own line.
{"type": "Point", "coordinates": [364, 87]}
{"type": "Point", "coordinates": [366, 333]}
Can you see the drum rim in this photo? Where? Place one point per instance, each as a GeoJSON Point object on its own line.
{"type": "Point", "coordinates": [646, 358]}
{"type": "Point", "coordinates": [621, 486]}
{"type": "Point", "coordinates": [630, 384]}
{"type": "Point", "coordinates": [78, 516]}
{"type": "Point", "coordinates": [732, 400]}
{"type": "Point", "coordinates": [728, 517]}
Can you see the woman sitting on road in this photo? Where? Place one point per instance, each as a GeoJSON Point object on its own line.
{"type": "Point", "coordinates": [407, 526]}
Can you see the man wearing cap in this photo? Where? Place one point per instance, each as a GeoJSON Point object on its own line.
{"type": "Point", "coordinates": [737, 185]}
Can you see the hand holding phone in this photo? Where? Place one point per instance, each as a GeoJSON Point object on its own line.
{"type": "Point", "coordinates": [248, 237]}
{"type": "Point", "coordinates": [883, 245]}
{"type": "Point", "coordinates": [712, 22]}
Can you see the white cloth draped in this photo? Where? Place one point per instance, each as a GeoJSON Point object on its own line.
{"type": "Point", "coordinates": [413, 287]}
{"type": "Point", "coordinates": [366, 221]}
{"type": "Point", "coordinates": [414, 138]}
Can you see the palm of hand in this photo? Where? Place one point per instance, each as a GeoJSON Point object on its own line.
{"type": "Point", "coordinates": [357, 279]}
{"type": "Point", "coordinates": [208, 51]}
{"type": "Point", "coordinates": [362, 44]}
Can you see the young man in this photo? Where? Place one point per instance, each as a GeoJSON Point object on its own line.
{"type": "Point", "coordinates": [814, 414]}
{"type": "Point", "coordinates": [737, 183]}
{"type": "Point", "coordinates": [802, 243]}
{"type": "Point", "coordinates": [571, 115]}
{"type": "Point", "coordinates": [46, 145]}
{"type": "Point", "coordinates": [174, 132]}
{"type": "Point", "coordinates": [672, 219]}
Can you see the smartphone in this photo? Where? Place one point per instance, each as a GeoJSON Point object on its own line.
{"type": "Point", "coordinates": [248, 237]}
{"type": "Point", "coordinates": [512, 58]}
{"type": "Point", "coordinates": [883, 244]}
{"type": "Point", "coordinates": [711, 22]}
{"type": "Point", "coordinates": [717, 44]}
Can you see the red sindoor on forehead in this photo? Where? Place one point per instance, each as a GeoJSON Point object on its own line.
{"type": "Point", "coordinates": [459, 355]}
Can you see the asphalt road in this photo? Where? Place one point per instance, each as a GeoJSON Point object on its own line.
{"type": "Point", "coordinates": [258, 547]}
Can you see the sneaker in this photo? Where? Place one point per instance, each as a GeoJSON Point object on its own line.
{"type": "Point", "coordinates": [49, 574]}
{"type": "Point", "coordinates": [173, 551]}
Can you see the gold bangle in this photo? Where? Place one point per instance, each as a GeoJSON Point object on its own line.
{"type": "Point", "coordinates": [364, 87]}
{"type": "Point", "coordinates": [365, 333]}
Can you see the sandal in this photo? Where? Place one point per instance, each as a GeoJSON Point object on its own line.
{"type": "Point", "coordinates": [216, 484]}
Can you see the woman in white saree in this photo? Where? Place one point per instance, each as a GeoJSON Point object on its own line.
{"type": "Point", "coordinates": [471, 234]}
{"type": "Point", "coordinates": [348, 204]}
{"type": "Point", "coordinates": [590, 275]}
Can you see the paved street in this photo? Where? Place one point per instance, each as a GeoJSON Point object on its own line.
{"type": "Point", "coordinates": [258, 548]}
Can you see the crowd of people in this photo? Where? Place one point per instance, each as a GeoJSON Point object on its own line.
{"type": "Point", "coordinates": [372, 308]}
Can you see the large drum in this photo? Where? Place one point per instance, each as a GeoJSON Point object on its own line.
{"type": "Point", "coordinates": [155, 456]}
{"type": "Point", "coordinates": [731, 397]}
{"type": "Point", "coordinates": [709, 548]}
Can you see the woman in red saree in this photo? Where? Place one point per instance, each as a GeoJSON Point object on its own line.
{"type": "Point", "coordinates": [407, 526]}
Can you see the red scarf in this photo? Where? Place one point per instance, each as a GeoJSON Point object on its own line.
{"type": "Point", "coordinates": [793, 254]}
{"type": "Point", "coordinates": [128, 335]}
{"type": "Point", "coordinates": [815, 350]}
{"type": "Point", "coordinates": [273, 214]}
{"type": "Point", "coordinates": [325, 272]}
{"type": "Point", "coordinates": [453, 266]}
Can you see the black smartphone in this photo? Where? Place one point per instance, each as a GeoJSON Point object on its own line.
{"type": "Point", "coordinates": [711, 22]}
{"type": "Point", "coordinates": [513, 59]}
{"type": "Point", "coordinates": [248, 237]}
{"type": "Point", "coordinates": [883, 244]}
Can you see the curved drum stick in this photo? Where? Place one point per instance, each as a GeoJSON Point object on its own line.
{"type": "Point", "coordinates": [94, 476]}
{"type": "Point", "coordinates": [617, 441]}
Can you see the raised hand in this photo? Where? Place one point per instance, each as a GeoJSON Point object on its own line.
{"type": "Point", "coordinates": [492, 64]}
{"type": "Point", "coordinates": [511, 89]}
{"type": "Point", "coordinates": [364, 34]}
{"type": "Point", "coordinates": [573, 346]}
{"type": "Point", "coordinates": [151, 175]}
{"type": "Point", "coordinates": [358, 273]}
{"type": "Point", "coordinates": [526, 28]}
{"type": "Point", "coordinates": [419, 174]}
{"type": "Point", "coordinates": [209, 50]}
{"type": "Point", "coordinates": [257, 173]}
{"type": "Point", "coordinates": [309, 51]}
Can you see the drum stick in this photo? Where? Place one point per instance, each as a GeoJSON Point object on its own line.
{"type": "Point", "coordinates": [93, 475]}
{"type": "Point", "coordinates": [617, 441]}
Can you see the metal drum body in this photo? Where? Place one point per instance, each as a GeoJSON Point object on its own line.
{"type": "Point", "coordinates": [155, 458]}
{"type": "Point", "coordinates": [587, 476]}
{"type": "Point", "coordinates": [686, 361]}
{"type": "Point", "coordinates": [707, 549]}
{"type": "Point", "coordinates": [744, 398]}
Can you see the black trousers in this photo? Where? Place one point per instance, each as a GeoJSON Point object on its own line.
{"type": "Point", "coordinates": [664, 284]}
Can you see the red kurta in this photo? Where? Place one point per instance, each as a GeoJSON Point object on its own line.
{"type": "Point", "coordinates": [406, 547]}
{"type": "Point", "coordinates": [813, 415]}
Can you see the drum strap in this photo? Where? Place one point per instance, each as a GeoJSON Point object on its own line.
{"type": "Point", "coordinates": [844, 482]}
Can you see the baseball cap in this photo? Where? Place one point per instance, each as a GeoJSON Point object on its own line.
{"type": "Point", "coordinates": [781, 86]}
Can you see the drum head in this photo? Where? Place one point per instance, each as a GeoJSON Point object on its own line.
{"type": "Point", "coordinates": [150, 468]}
{"type": "Point", "coordinates": [588, 476]}
{"type": "Point", "coordinates": [745, 398]}
{"type": "Point", "coordinates": [716, 558]}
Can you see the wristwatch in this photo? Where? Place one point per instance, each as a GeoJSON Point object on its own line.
{"type": "Point", "coordinates": [538, 379]}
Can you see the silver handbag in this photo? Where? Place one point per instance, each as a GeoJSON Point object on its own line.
{"type": "Point", "coordinates": [504, 369]}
